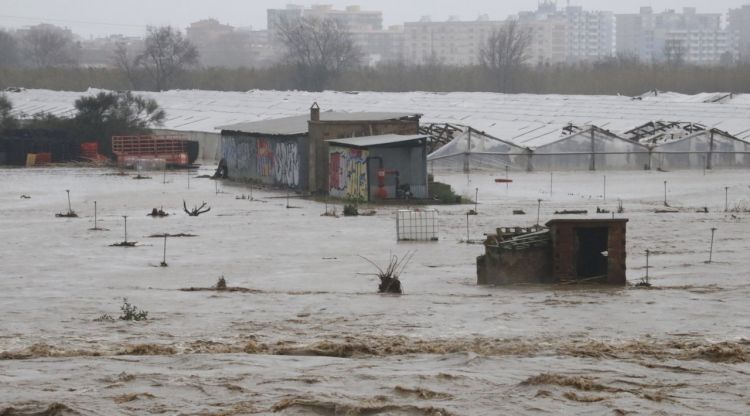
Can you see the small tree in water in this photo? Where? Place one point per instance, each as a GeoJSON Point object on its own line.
{"type": "Point", "coordinates": [389, 277]}
{"type": "Point", "coordinates": [131, 312]}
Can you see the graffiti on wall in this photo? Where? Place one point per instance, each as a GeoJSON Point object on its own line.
{"type": "Point", "coordinates": [264, 157]}
{"type": "Point", "coordinates": [237, 153]}
{"type": "Point", "coordinates": [347, 173]}
{"type": "Point", "coordinates": [286, 164]}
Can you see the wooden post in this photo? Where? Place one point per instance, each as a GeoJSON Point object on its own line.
{"type": "Point", "coordinates": [538, 210]}
{"type": "Point", "coordinates": [164, 258]}
{"type": "Point", "coordinates": [726, 199]}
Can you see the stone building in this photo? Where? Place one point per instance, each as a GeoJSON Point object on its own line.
{"type": "Point", "coordinates": [293, 151]}
{"type": "Point", "coordinates": [568, 250]}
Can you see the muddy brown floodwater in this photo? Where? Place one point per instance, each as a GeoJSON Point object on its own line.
{"type": "Point", "coordinates": [301, 329]}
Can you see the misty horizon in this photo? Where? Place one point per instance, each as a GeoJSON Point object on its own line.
{"type": "Point", "coordinates": [96, 19]}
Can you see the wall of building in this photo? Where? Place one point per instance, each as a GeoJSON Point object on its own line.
{"type": "Point", "coordinates": [709, 150]}
{"type": "Point", "coordinates": [320, 131]}
{"type": "Point", "coordinates": [502, 267]}
{"type": "Point", "coordinates": [347, 173]}
{"type": "Point", "coordinates": [411, 164]}
{"type": "Point", "coordinates": [209, 144]}
{"type": "Point", "coordinates": [565, 250]}
{"type": "Point", "coordinates": [590, 150]}
{"type": "Point", "coordinates": [273, 160]}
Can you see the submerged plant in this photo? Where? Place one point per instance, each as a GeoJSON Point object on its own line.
{"type": "Point", "coordinates": [131, 312]}
{"type": "Point", "coordinates": [390, 275]}
{"type": "Point", "coordinates": [221, 284]}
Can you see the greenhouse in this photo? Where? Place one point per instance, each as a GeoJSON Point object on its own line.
{"type": "Point", "coordinates": [667, 146]}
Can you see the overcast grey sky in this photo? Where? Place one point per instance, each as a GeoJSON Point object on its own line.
{"type": "Point", "coordinates": [101, 17]}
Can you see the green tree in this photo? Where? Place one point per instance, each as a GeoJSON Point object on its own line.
{"type": "Point", "coordinates": [108, 114]}
{"type": "Point", "coordinates": [7, 121]}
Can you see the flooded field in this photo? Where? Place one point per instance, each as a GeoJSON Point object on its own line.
{"type": "Point", "coordinates": [302, 329]}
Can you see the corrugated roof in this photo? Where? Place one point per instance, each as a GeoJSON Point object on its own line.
{"type": "Point", "coordinates": [380, 140]}
{"type": "Point", "coordinates": [298, 124]}
{"type": "Point", "coordinates": [524, 119]}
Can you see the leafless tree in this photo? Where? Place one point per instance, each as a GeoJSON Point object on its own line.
{"type": "Point", "coordinates": [126, 64]}
{"type": "Point", "coordinates": [49, 46]}
{"type": "Point", "coordinates": [505, 51]}
{"type": "Point", "coordinates": [166, 54]}
{"type": "Point", "coordinates": [9, 56]}
{"type": "Point", "coordinates": [318, 49]}
{"type": "Point", "coordinates": [197, 210]}
{"type": "Point", "coordinates": [674, 52]}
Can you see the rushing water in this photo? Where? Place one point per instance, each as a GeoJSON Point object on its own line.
{"type": "Point", "coordinates": [306, 333]}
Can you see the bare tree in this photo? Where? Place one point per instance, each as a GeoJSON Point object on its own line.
{"type": "Point", "coordinates": [49, 46]}
{"type": "Point", "coordinates": [505, 51]}
{"type": "Point", "coordinates": [674, 52]}
{"type": "Point", "coordinates": [126, 64]}
{"type": "Point", "coordinates": [9, 56]}
{"type": "Point", "coordinates": [318, 49]}
{"type": "Point", "coordinates": [166, 54]}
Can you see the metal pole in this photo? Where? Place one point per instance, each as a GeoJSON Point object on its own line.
{"type": "Point", "coordinates": [506, 177]}
{"type": "Point", "coordinates": [164, 261]}
{"type": "Point", "coordinates": [550, 184]}
{"type": "Point", "coordinates": [538, 209]}
{"type": "Point", "coordinates": [726, 199]}
{"type": "Point", "coordinates": [476, 200]}
{"type": "Point", "coordinates": [69, 209]}
{"type": "Point", "coordinates": [126, 227]}
{"type": "Point", "coordinates": [665, 194]}
{"type": "Point", "coordinates": [711, 250]}
{"type": "Point", "coordinates": [467, 228]}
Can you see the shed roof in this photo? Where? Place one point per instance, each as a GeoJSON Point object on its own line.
{"type": "Point", "coordinates": [586, 221]}
{"type": "Point", "coordinates": [380, 140]}
{"type": "Point", "coordinates": [298, 124]}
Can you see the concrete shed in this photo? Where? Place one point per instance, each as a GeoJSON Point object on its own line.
{"type": "Point", "coordinates": [293, 152]}
{"type": "Point", "coordinates": [568, 250]}
{"type": "Point", "coordinates": [388, 166]}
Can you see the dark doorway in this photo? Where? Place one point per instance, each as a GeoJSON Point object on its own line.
{"type": "Point", "coordinates": [592, 252]}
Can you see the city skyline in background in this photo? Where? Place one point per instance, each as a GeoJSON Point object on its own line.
{"type": "Point", "coordinates": [90, 18]}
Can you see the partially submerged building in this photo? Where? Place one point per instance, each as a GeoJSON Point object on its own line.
{"type": "Point", "coordinates": [19, 147]}
{"type": "Point", "coordinates": [294, 151]}
{"type": "Point", "coordinates": [388, 166]}
{"type": "Point", "coordinates": [655, 145]}
{"type": "Point", "coordinates": [577, 250]}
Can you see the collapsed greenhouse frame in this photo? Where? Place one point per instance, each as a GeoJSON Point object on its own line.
{"type": "Point", "coordinates": [687, 146]}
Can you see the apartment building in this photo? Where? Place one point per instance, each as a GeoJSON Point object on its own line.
{"type": "Point", "coordinates": [689, 37]}
{"type": "Point", "coordinates": [739, 28]}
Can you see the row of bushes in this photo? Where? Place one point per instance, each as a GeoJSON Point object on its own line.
{"type": "Point", "coordinates": [602, 78]}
